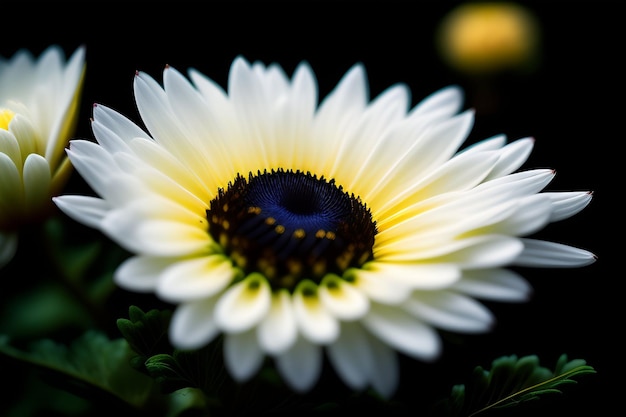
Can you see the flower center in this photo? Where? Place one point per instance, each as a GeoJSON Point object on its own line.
{"type": "Point", "coordinates": [6, 116]}
{"type": "Point", "coordinates": [290, 226]}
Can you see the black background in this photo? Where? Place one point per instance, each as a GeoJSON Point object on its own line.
{"type": "Point", "coordinates": [572, 104]}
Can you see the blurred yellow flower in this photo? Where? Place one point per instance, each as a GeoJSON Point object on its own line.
{"type": "Point", "coordinates": [39, 100]}
{"type": "Point", "coordinates": [488, 37]}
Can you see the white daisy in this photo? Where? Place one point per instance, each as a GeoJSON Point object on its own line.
{"type": "Point", "coordinates": [348, 228]}
{"type": "Point", "coordinates": [39, 100]}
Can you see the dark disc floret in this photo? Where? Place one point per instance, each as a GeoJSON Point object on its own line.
{"type": "Point", "coordinates": [290, 225]}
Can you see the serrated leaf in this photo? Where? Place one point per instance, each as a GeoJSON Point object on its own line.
{"type": "Point", "coordinates": [92, 366]}
{"type": "Point", "coordinates": [146, 333]}
{"type": "Point", "coordinates": [510, 382]}
{"type": "Point", "coordinates": [202, 368]}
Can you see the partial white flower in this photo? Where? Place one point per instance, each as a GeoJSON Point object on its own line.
{"type": "Point", "coordinates": [39, 99]}
{"type": "Point", "coordinates": [351, 228]}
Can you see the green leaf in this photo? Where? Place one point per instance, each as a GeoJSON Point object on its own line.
{"type": "Point", "coordinates": [202, 368]}
{"type": "Point", "coordinates": [146, 333]}
{"type": "Point", "coordinates": [91, 367]}
{"type": "Point", "coordinates": [510, 382]}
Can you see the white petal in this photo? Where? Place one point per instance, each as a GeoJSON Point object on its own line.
{"type": "Point", "coordinates": [141, 273]}
{"type": "Point", "coordinates": [342, 299]}
{"type": "Point", "coordinates": [335, 115]}
{"type": "Point", "coordinates": [91, 161]}
{"type": "Point", "coordinates": [10, 182]}
{"type": "Point", "coordinates": [512, 157]}
{"type": "Point", "coordinates": [314, 320]}
{"type": "Point", "coordinates": [416, 179]}
{"type": "Point", "coordinates": [160, 119]}
{"type": "Point", "coordinates": [193, 325]}
{"type": "Point", "coordinates": [448, 100]}
{"type": "Point", "coordinates": [377, 287]}
{"type": "Point", "coordinates": [242, 355]}
{"type": "Point", "coordinates": [487, 251]}
{"type": "Point", "coordinates": [161, 174]}
{"type": "Point", "coordinates": [195, 278]}
{"type": "Point", "coordinates": [521, 183]}
{"type": "Point", "coordinates": [27, 137]}
{"type": "Point", "coordinates": [301, 365]}
{"type": "Point", "coordinates": [490, 144]}
{"type": "Point", "coordinates": [11, 147]}
{"type": "Point", "coordinates": [154, 237]}
{"type": "Point", "coordinates": [542, 254]}
{"type": "Point", "coordinates": [567, 204]}
{"type": "Point", "coordinates": [531, 215]}
{"type": "Point", "coordinates": [350, 95]}
{"type": "Point", "coordinates": [278, 331]}
{"type": "Point", "coordinates": [191, 110]}
{"type": "Point", "coordinates": [494, 284]}
{"type": "Point", "coordinates": [113, 130]}
{"type": "Point", "coordinates": [244, 305]}
{"type": "Point", "coordinates": [37, 179]}
{"type": "Point", "coordinates": [351, 356]}
{"type": "Point", "coordinates": [473, 252]}
{"type": "Point", "coordinates": [359, 146]}
{"type": "Point", "coordinates": [253, 110]}
{"type": "Point", "coordinates": [385, 373]}
{"type": "Point", "coordinates": [417, 276]}
{"type": "Point", "coordinates": [440, 225]}
{"type": "Point", "coordinates": [84, 209]}
{"type": "Point", "coordinates": [446, 310]}
{"type": "Point", "coordinates": [403, 332]}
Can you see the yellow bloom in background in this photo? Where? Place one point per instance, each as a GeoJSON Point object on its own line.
{"type": "Point", "coordinates": [39, 99]}
{"type": "Point", "coordinates": [488, 37]}
{"type": "Point", "coordinates": [349, 228]}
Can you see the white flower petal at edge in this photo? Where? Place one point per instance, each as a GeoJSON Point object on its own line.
{"type": "Point", "coordinates": [349, 228]}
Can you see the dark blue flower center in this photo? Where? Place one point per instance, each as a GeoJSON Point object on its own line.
{"type": "Point", "coordinates": [290, 226]}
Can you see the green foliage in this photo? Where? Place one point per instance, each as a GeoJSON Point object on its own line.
{"type": "Point", "coordinates": [146, 333]}
{"type": "Point", "coordinates": [510, 382]}
{"type": "Point", "coordinates": [92, 367]}
{"type": "Point", "coordinates": [198, 378]}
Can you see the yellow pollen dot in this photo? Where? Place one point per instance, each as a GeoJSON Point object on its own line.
{"type": "Point", "coordinates": [344, 259]}
{"type": "Point", "coordinates": [6, 116]}
{"type": "Point", "coordinates": [320, 234]}
{"type": "Point", "coordinates": [239, 259]}
{"type": "Point", "coordinates": [254, 210]}
{"type": "Point", "coordinates": [225, 224]}
{"type": "Point", "coordinates": [268, 269]}
{"type": "Point", "coordinates": [330, 235]}
{"type": "Point", "coordinates": [364, 258]}
{"type": "Point", "coordinates": [225, 208]}
{"type": "Point", "coordinates": [294, 266]}
{"type": "Point", "coordinates": [299, 233]}
{"type": "Point", "coordinates": [223, 239]}
{"type": "Point", "coordinates": [280, 229]}
{"type": "Point", "coordinates": [319, 268]}
{"type": "Point", "coordinates": [270, 221]}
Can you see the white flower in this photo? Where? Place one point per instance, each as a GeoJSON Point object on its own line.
{"type": "Point", "coordinates": [39, 100]}
{"type": "Point", "coordinates": [349, 228]}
